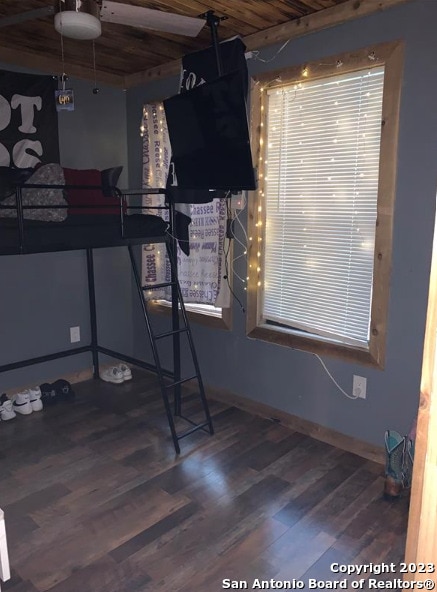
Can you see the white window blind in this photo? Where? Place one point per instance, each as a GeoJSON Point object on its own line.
{"type": "Point", "coordinates": [321, 191]}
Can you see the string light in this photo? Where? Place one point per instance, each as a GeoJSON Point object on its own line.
{"type": "Point", "coordinates": [265, 144]}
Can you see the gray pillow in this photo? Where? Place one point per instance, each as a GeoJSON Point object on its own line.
{"type": "Point", "coordinates": [47, 174]}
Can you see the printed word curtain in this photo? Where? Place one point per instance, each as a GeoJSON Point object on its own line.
{"type": "Point", "coordinates": [201, 272]}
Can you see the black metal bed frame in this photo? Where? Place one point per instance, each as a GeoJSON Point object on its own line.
{"type": "Point", "coordinates": [177, 303]}
{"type": "Point", "coordinates": [177, 307]}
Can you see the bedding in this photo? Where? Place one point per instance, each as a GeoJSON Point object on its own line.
{"type": "Point", "coordinates": [47, 174]}
{"type": "Point", "coordinates": [101, 197]}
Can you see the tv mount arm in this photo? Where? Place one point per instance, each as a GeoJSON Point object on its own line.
{"type": "Point", "coordinates": [213, 21]}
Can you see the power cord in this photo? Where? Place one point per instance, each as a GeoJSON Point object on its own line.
{"type": "Point", "coordinates": [353, 397]}
{"type": "Point", "coordinates": [226, 277]}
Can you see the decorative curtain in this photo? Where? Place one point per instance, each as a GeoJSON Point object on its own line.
{"type": "Point", "coordinates": [200, 273]}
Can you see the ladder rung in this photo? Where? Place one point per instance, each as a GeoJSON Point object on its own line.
{"type": "Point", "coordinates": [181, 381]}
{"type": "Point", "coordinates": [168, 333]}
{"type": "Point", "coordinates": [199, 426]}
{"type": "Point", "coordinates": [157, 286]}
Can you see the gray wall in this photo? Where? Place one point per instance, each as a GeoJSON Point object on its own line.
{"type": "Point", "coordinates": [295, 381]}
{"type": "Point", "coordinates": [42, 296]}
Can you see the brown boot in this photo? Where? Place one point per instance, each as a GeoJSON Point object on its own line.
{"type": "Point", "coordinates": [394, 465]}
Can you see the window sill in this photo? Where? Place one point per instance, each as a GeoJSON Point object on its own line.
{"type": "Point", "coordinates": [214, 322]}
{"type": "Point", "coordinates": [315, 345]}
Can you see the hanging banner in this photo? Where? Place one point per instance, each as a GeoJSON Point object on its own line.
{"type": "Point", "coordinates": [201, 271]}
{"type": "Point", "coordinates": [156, 159]}
{"type": "Point", "coordinates": [28, 120]}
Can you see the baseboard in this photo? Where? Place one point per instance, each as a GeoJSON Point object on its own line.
{"type": "Point", "coordinates": [72, 378]}
{"type": "Point", "coordinates": [303, 426]}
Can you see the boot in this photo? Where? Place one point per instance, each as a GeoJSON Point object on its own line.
{"type": "Point", "coordinates": [395, 446]}
{"type": "Point", "coordinates": [407, 468]}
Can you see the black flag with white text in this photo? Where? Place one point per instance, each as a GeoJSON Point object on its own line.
{"type": "Point", "coordinates": [28, 120]}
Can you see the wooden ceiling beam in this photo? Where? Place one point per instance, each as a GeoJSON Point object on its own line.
{"type": "Point", "coordinates": [324, 19]}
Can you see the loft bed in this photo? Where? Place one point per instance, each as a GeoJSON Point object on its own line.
{"type": "Point", "coordinates": [53, 208]}
{"type": "Point", "coordinates": [40, 221]}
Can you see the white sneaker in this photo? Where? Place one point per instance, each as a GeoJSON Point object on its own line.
{"type": "Point", "coordinates": [113, 374]}
{"type": "Point", "coordinates": [22, 403]}
{"type": "Point", "coordinates": [35, 398]}
{"type": "Point", "coordinates": [6, 410]}
{"type": "Point", "coordinates": [126, 371]}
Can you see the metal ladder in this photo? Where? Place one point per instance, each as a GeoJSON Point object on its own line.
{"type": "Point", "coordinates": [178, 328]}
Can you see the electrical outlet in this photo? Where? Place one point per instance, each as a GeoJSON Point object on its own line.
{"type": "Point", "coordinates": [74, 334]}
{"type": "Point", "coordinates": [359, 387]}
{"type": "Point", "coordinates": [238, 200]}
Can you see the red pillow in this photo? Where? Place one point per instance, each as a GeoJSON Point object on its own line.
{"type": "Point", "coordinates": [89, 197]}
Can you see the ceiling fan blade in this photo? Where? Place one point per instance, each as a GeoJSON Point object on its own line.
{"type": "Point", "coordinates": [29, 15]}
{"type": "Point", "coordinates": [146, 18]}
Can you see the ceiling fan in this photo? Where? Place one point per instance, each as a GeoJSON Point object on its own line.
{"type": "Point", "coordinates": [81, 19]}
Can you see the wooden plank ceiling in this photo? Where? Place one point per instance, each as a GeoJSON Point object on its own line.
{"type": "Point", "coordinates": [126, 56]}
{"type": "Point", "coordinates": [123, 51]}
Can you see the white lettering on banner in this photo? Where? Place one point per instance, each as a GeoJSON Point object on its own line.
{"type": "Point", "coordinates": [191, 81]}
{"type": "Point", "coordinates": [27, 105]}
{"type": "Point", "coordinates": [25, 152]}
{"type": "Point", "coordinates": [21, 155]}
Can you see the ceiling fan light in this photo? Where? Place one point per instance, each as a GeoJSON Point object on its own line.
{"type": "Point", "coordinates": [77, 25]}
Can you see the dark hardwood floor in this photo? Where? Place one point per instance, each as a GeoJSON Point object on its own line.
{"type": "Point", "coordinates": [95, 499]}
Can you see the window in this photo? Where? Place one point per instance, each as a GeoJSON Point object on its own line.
{"type": "Point", "coordinates": [322, 217]}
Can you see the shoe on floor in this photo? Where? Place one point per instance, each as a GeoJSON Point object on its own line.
{"type": "Point", "coordinates": [35, 398]}
{"type": "Point", "coordinates": [48, 394]}
{"type": "Point", "coordinates": [6, 409]}
{"type": "Point", "coordinates": [126, 371]}
{"type": "Point", "coordinates": [63, 390]}
{"type": "Point", "coordinates": [22, 403]}
{"type": "Point", "coordinates": [113, 374]}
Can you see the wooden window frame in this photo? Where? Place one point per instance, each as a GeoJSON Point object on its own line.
{"type": "Point", "coordinates": [225, 322]}
{"type": "Point", "coordinates": [391, 56]}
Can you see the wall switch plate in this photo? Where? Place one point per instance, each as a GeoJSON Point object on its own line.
{"type": "Point", "coordinates": [74, 334]}
{"type": "Point", "coordinates": [359, 387]}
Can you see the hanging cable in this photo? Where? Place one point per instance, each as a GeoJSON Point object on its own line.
{"type": "Point", "coordinates": [96, 89]}
{"type": "Point", "coordinates": [226, 277]}
{"type": "Point", "coordinates": [255, 54]}
{"type": "Point", "coordinates": [63, 75]}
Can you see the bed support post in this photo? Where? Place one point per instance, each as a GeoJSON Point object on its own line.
{"type": "Point", "coordinates": [93, 312]}
{"type": "Point", "coordinates": [175, 314]}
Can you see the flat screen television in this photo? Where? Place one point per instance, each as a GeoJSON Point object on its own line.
{"type": "Point", "coordinates": [209, 136]}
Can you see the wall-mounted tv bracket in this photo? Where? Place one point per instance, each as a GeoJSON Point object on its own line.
{"type": "Point", "coordinates": [213, 21]}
